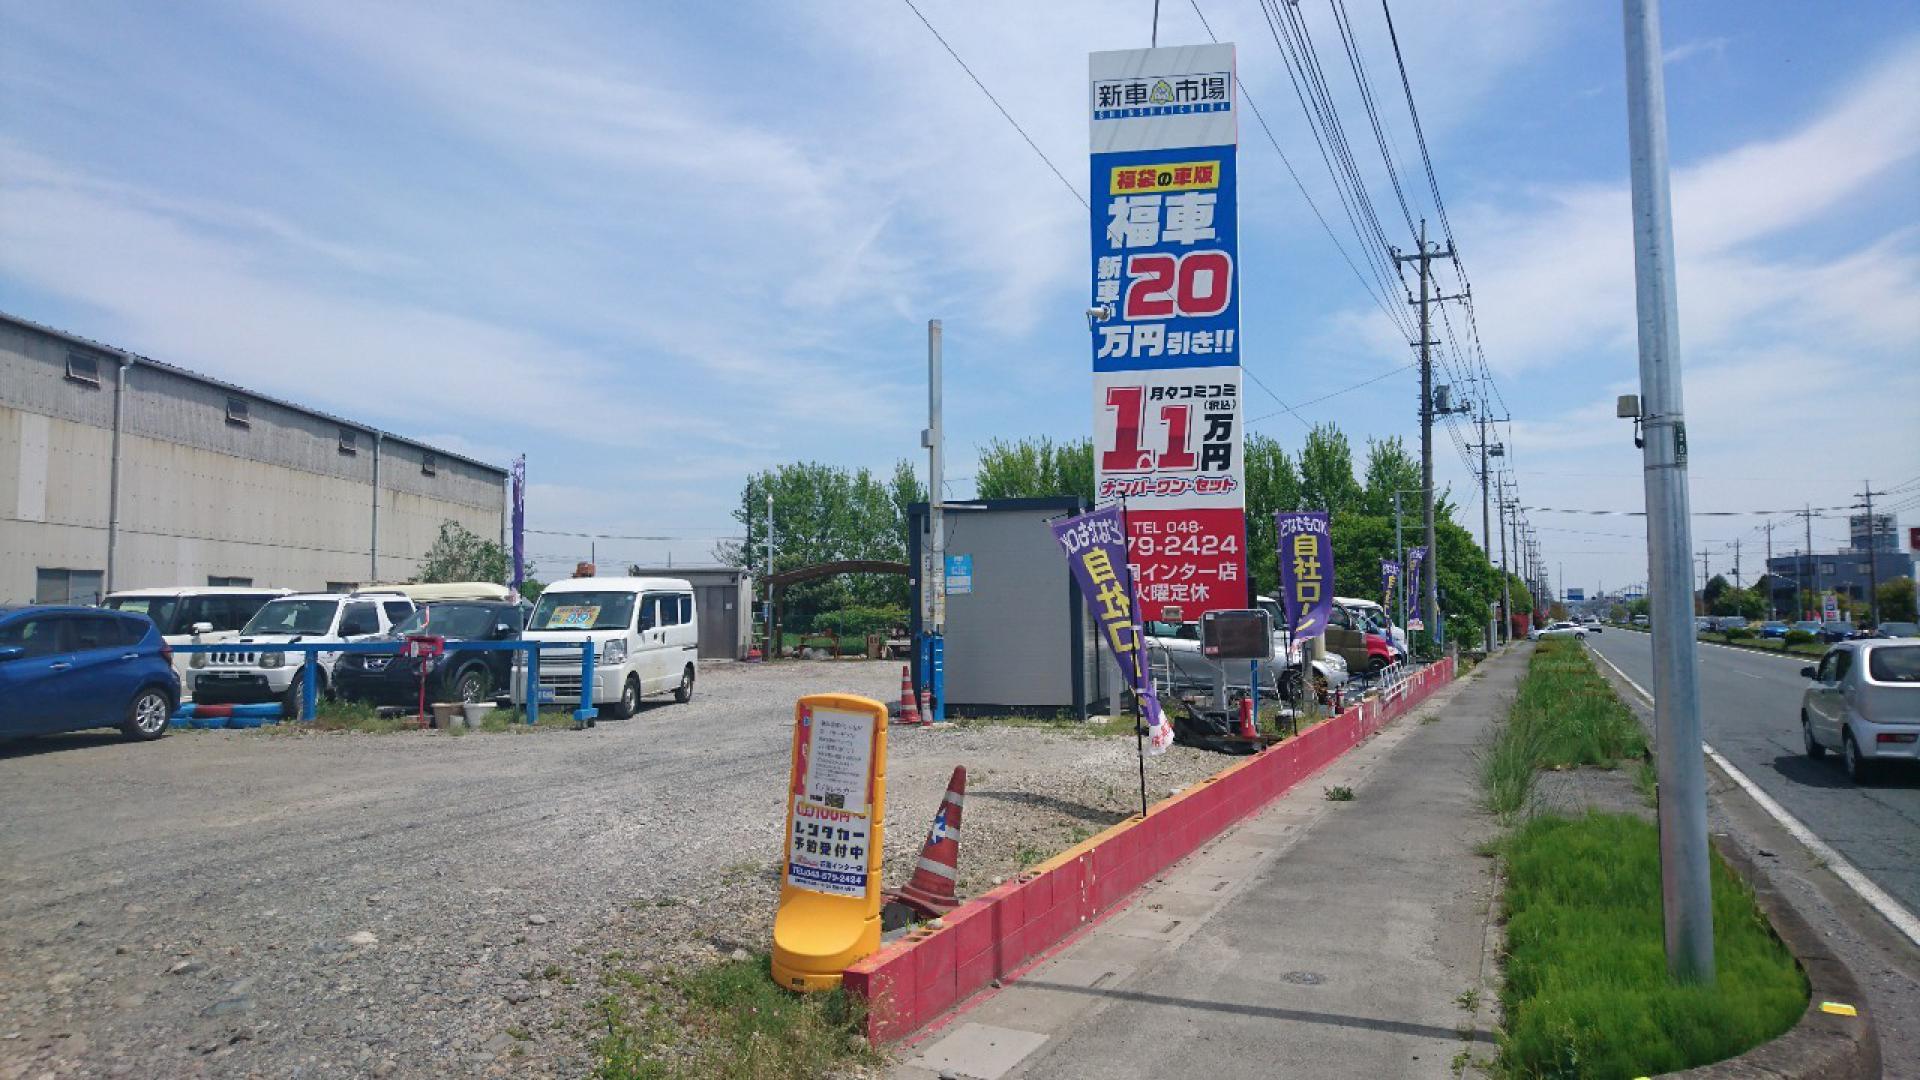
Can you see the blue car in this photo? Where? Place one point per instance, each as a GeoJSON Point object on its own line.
{"type": "Point", "coordinates": [1774, 629]}
{"type": "Point", "coordinates": [73, 668]}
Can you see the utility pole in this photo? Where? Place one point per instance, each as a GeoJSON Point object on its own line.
{"type": "Point", "coordinates": [1400, 560]}
{"type": "Point", "coordinates": [1867, 493]}
{"type": "Point", "coordinates": [935, 572]}
{"type": "Point", "coordinates": [766, 615]}
{"type": "Point", "coordinates": [1705, 577]}
{"type": "Point", "coordinates": [1686, 896]}
{"type": "Point", "coordinates": [1506, 588]}
{"type": "Point", "coordinates": [1771, 613]}
{"type": "Point", "coordinates": [1812, 572]}
{"type": "Point", "coordinates": [1425, 259]}
{"type": "Point", "coordinates": [1486, 535]}
{"type": "Point", "coordinates": [1736, 563]}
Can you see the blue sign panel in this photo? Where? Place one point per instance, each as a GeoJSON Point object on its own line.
{"type": "Point", "coordinates": [959, 574]}
{"type": "Point", "coordinates": [1166, 259]}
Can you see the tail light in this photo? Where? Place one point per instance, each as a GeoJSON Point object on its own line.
{"type": "Point", "coordinates": [1895, 737]}
{"type": "Point", "coordinates": [166, 651]}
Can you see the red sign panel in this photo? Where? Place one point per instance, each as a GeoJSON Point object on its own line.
{"type": "Point", "coordinates": [1194, 560]}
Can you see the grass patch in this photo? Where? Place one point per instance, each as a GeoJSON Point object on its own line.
{"type": "Point", "coordinates": [1773, 645]}
{"type": "Point", "coordinates": [1587, 992]}
{"type": "Point", "coordinates": [727, 1022]}
{"type": "Point", "coordinates": [1339, 793]}
{"type": "Point", "coordinates": [1565, 716]}
{"type": "Point", "coordinates": [355, 716]}
{"type": "Point", "coordinates": [1065, 723]}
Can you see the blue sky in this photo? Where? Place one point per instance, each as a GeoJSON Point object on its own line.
{"type": "Point", "coordinates": [656, 247]}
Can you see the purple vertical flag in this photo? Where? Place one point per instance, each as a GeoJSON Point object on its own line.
{"type": "Point", "coordinates": [1096, 547]}
{"type": "Point", "coordinates": [1415, 557]}
{"type": "Point", "coordinates": [519, 523]}
{"type": "Point", "coordinates": [1389, 576]}
{"type": "Point", "coordinates": [1306, 571]}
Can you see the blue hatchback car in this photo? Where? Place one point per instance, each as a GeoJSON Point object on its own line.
{"type": "Point", "coordinates": [73, 668]}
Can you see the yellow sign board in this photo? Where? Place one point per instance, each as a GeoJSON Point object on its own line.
{"type": "Point", "coordinates": [829, 913]}
{"type": "Point", "coordinates": [1171, 176]}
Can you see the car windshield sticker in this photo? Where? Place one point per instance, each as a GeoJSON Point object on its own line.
{"type": "Point", "coordinates": [575, 617]}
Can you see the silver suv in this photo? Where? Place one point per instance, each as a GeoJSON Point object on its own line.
{"type": "Point", "coordinates": [1864, 704]}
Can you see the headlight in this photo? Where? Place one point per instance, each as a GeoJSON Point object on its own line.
{"type": "Point", "coordinates": [613, 650]}
{"type": "Point", "coordinates": [199, 660]}
{"type": "Point", "coordinates": [273, 660]}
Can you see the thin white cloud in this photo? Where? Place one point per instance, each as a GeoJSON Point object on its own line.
{"type": "Point", "coordinates": [1686, 50]}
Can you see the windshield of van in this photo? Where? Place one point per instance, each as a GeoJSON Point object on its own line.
{"type": "Point", "coordinates": [583, 611]}
{"type": "Point", "coordinates": [158, 608]}
{"type": "Point", "coordinates": [293, 617]}
{"type": "Point", "coordinates": [467, 622]}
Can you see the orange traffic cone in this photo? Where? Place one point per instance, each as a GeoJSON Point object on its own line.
{"type": "Point", "coordinates": [1247, 730]}
{"type": "Point", "coordinates": [908, 713]}
{"type": "Point", "coordinates": [931, 891]}
{"type": "Point", "coordinates": [926, 705]}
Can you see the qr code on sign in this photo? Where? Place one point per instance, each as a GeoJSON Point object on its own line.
{"type": "Point", "coordinates": [836, 800]}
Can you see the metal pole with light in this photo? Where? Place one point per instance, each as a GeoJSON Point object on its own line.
{"type": "Point", "coordinates": [1685, 885]}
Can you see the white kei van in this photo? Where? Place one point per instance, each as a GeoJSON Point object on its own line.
{"type": "Point", "coordinates": [646, 641]}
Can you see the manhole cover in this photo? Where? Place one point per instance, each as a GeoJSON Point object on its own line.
{"type": "Point", "coordinates": [1304, 978]}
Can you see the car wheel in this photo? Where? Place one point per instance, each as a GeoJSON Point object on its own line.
{"type": "Point", "coordinates": [684, 692]}
{"type": "Point", "coordinates": [629, 702]}
{"type": "Point", "coordinates": [1859, 770]}
{"type": "Point", "coordinates": [1293, 687]}
{"type": "Point", "coordinates": [473, 686]}
{"type": "Point", "coordinates": [290, 701]}
{"type": "Point", "coordinates": [148, 714]}
{"type": "Point", "coordinates": [1814, 750]}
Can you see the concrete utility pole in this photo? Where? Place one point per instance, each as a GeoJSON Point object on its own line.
{"type": "Point", "coordinates": [1736, 563]}
{"type": "Point", "coordinates": [1486, 535]}
{"type": "Point", "coordinates": [766, 613]}
{"type": "Point", "coordinates": [1506, 587]}
{"type": "Point", "coordinates": [1867, 493]}
{"type": "Point", "coordinates": [1686, 897]}
{"type": "Point", "coordinates": [1425, 259]}
{"type": "Point", "coordinates": [1811, 573]}
{"type": "Point", "coordinates": [936, 572]}
{"type": "Point", "coordinates": [1771, 613]}
{"type": "Point", "coordinates": [1705, 577]}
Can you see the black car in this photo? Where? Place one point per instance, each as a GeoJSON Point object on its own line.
{"type": "Point", "coordinates": [457, 675]}
{"type": "Point", "coordinates": [1836, 631]}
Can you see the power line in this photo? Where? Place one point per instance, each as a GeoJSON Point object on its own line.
{"type": "Point", "coordinates": [617, 536]}
{"type": "Point", "coordinates": [1311, 205]}
{"type": "Point", "coordinates": [996, 104]}
{"type": "Point", "coordinates": [1336, 393]}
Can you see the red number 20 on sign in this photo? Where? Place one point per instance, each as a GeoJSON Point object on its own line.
{"type": "Point", "coordinates": [1197, 284]}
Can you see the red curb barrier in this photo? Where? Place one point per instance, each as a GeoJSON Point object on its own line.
{"type": "Point", "coordinates": [912, 982]}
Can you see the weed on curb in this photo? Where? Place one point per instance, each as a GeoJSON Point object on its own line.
{"type": "Point", "coordinates": [1339, 793]}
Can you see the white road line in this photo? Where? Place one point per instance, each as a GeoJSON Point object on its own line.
{"type": "Point", "coordinates": [1876, 897]}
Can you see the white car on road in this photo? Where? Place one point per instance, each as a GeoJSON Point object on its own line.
{"type": "Point", "coordinates": [1863, 703]}
{"type": "Point", "coordinates": [1559, 629]}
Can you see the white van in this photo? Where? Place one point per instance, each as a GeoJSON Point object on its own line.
{"type": "Point", "coordinates": [193, 613]}
{"type": "Point", "coordinates": [646, 641]}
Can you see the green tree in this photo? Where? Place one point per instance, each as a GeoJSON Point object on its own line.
{"type": "Point", "coordinates": [458, 554]}
{"type": "Point", "coordinates": [1897, 600]}
{"type": "Point", "coordinates": [1326, 471]}
{"type": "Point", "coordinates": [1272, 485]}
{"type": "Point", "coordinates": [1389, 469]}
{"type": "Point", "coordinates": [1035, 468]}
{"type": "Point", "coordinates": [1716, 585]}
{"type": "Point", "coordinates": [1745, 603]}
{"type": "Point", "coordinates": [826, 513]}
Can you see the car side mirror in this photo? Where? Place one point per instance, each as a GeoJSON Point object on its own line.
{"type": "Point", "coordinates": [12, 652]}
{"type": "Point", "coordinates": [502, 630]}
{"type": "Point", "coordinates": [203, 628]}
{"type": "Point", "coordinates": [1809, 672]}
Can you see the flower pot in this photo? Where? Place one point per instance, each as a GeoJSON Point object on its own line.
{"type": "Point", "coordinates": [476, 712]}
{"type": "Point", "coordinates": [446, 714]}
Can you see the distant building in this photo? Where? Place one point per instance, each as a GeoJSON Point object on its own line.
{"type": "Point", "coordinates": [1877, 535]}
{"type": "Point", "coordinates": [117, 471]}
{"type": "Point", "coordinates": [1845, 573]}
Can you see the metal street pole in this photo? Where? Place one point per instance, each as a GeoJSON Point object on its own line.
{"type": "Point", "coordinates": [1685, 885]}
{"type": "Point", "coordinates": [1400, 582]}
{"type": "Point", "coordinates": [766, 615]}
{"type": "Point", "coordinates": [1506, 587]}
{"type": "Point", "coordinates": [935, 573]}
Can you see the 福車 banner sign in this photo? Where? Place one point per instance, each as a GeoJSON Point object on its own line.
{"type": "Point", "coordinates": [1415, 556]}
{"type": "Point", "coordinates": [1306, 571]}
{"type": "Point", "coordinates": [1095, 544]}
{"type": "Point", "coordinates": [1168, 418]}
{"type": "Point", "coordinates": [1389, 577]}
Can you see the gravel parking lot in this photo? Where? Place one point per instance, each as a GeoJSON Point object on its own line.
{"type": "Point", "coordinates": [226, 903]}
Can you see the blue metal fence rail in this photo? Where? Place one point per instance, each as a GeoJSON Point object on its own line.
{"type": "Point", "coordinates": [310, 683]}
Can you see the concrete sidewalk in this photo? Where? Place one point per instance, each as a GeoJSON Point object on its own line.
{"type": "Point", "coordinates": [1318, 939]}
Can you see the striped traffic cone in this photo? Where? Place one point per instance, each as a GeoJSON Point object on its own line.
{"type": "Point", "coordinates": [931, 891]}
{"type": "Point", "coordinates": [908, 713]}
{"type": "Point", "coordinates": [926, 705]}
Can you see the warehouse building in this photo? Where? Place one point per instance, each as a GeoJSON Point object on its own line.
{"type": "Point", "coordinates": [119, 472]}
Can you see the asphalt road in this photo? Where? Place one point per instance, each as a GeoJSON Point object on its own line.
{"type": "Point", "coordinates": [1750, 711]}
